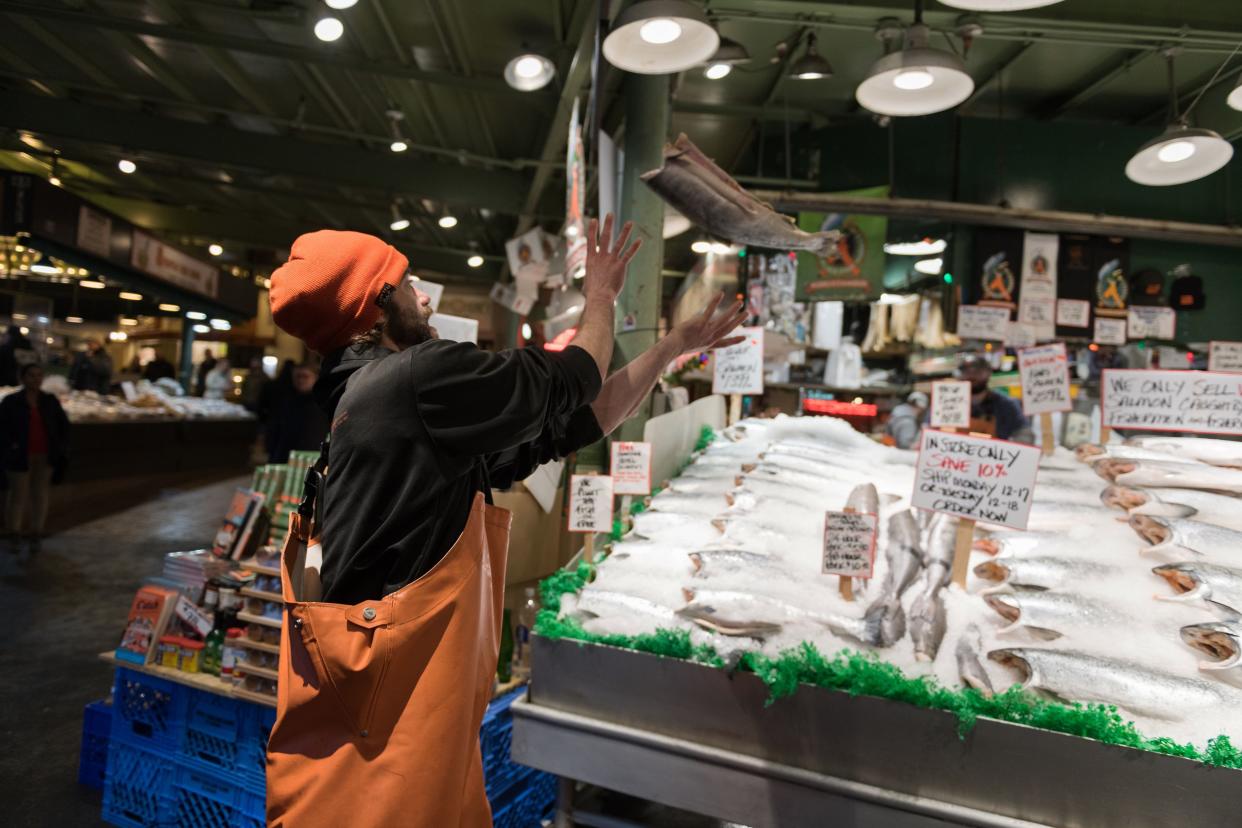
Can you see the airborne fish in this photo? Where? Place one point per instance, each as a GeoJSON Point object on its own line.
{"type": "Point", "coordinates": [1184, 538]}
{"type": "Point", "coordinates": [1088, 678]}
{"type": "Point", "coordinates": [702, 192]}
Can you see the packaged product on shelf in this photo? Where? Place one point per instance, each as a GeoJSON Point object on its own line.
{"type": "Point", "coordinates": [191, 655]}
{"type": "Point", "coordinates": [170, 651]}
{"type": "Point", "coordinates": [148, 618]}
{"type": "Point", "coordinates": [232, 653]}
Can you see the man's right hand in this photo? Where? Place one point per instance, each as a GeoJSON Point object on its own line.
{"type": "Point", "coordinates": [605, 264]}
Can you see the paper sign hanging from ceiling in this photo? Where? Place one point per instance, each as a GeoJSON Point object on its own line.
{"type": "Point", "coordinates": [455, 328]}
{"type": "Point", "coordinates": [738, 369]}
{"type": "Point", "coordinates": [507, 296]}
{"type": "Point", "coordinates": [1038, 292]}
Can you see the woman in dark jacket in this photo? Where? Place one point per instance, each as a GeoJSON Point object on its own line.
{"type": "Point", "coordinates": [34, 447]}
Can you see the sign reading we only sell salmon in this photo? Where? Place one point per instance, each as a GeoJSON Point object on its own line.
{"type": "Point", "coordinates": [1205, 402]}
{"type": "Point", "coordinates": [978, 478]}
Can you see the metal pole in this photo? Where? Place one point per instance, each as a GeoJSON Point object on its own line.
{"type": "Point", "coordinates": [638, 307]}
{"type": "Point", "coordinates": [187, 356]}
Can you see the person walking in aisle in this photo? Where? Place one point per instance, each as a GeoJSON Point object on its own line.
{"type": "Point", "coordinates": [218, 384]}
{"type": "Point", "coordinates": [906, 422]}
{"type": "Point", "coordinates": [298, 423]}
{"type": "Point", "coordinates": [91, 369]}
{"type": "Point", "coordinates": [34, 448]}
{"type": "Point", "coordinates": [390, 640]}
{"type": "Point", "coordinates": [204, 368]}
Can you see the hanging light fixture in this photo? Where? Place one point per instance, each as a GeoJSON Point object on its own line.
{"type": "Point", "coordinates": [399, 222]}
{"type": "Point", "coordinates": [448, 221]}
{"type": "Point", "coordinates": [916, 79]}
{"type": "Point", "coordinates": [1181, 153]}
{"type": "Point", "coordinates": [215, 250]}
{"type": "Point", "coordinates": [660, 37]}
{"type": "Point", "coordinates": [126, 166]}
{"type": "Point", "coordinates": [340, 5]}
{"type": "Point", "coordinates": [998, 5]}
{"type": "Point", "coordinates": [810, 66]}
{"type": "Point", "coordinates": [395, 117]}
{"type": "Point", "coordinates": [529, 71]}
{"type": "Point", "coordinates": [53, 177]}
{"type": "Point", "coordinates": [729, 54]}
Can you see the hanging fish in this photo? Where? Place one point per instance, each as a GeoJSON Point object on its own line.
{"type": "Point", "coordinates": [702, 192]}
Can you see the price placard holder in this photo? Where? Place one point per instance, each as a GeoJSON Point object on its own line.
{"type": "Point", "coordinates": [962, 542]}
{"type": "Point", "coordinates": [735, 408]}
{"type": "Point", "coordinates": [1045, 430]}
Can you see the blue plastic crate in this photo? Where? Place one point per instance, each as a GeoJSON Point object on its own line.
{"type": "Point", "coordinates": [148, 711]}
{"type": "Point", "coordinates": [528, 806]}
{"type": "Point", "coordinates": [496, 734]}
{"type": "Point", "coordinates": [138, 788]}
{"type": "Point", "coordinates": [204, 799]}
{"type": "Point", "coordinates": [228, 736]}
{"type": "Point", "coordinates": [96, 733]}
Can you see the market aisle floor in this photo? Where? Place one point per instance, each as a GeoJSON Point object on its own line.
{"type": "Point", "coordinates": [62, 609]}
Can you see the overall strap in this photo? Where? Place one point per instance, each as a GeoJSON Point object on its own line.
{"type": "Point", "coordinates": [312, 487]}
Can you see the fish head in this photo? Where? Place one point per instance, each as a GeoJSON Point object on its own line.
{"type": "Point", "coordinates": [688, 593]}
{"type": "Point", "coordinates": [1185, 579]}
{"type": "Point", "coordinates": [1016, 660]}
{"type": "Point", "coordinates": [696, 563]}
{"type": "Point", "coordinates": [1124, 498]}
{"type": "Point", "coordinates": [993, 571]}
{"type": "Point", "coordinates": [989, 545]}
{"type": "Point", "coordinates": [1087, 451]}
{"type": "Point", "coordinates": [1152, 528]}
{"type": "Point", "coordinates": [1217, 639]}
{"type": "Point", "coordinates": [1110, 468]}
{"type": "Point", "coordinates": [1006, 604]}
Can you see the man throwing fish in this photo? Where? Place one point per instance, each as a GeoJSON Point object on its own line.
{"type": "Point", "coordinates": [394, 566]}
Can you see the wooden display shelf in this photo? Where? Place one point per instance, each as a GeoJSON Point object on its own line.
{"type": "Point", "coordinates": [257, 698]}
{"type": "Point", "coordinates": [247, 669]}
{"type": "Point", "coordinates": [261, 646]}
{"type": "Point", "coordinates": [199, 681]}
{"type": "Point", "coordinates": [250, 565]}
{"type": "Point", "coordinates": [258, 619]}
{"type": "Point", "coordinates": [249, 592]}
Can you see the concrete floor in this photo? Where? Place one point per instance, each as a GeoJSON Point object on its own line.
{"type": "Point", "coordinates": [62, 608]}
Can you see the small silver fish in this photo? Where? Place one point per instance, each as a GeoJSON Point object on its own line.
{"type": "Point", "coordinates": [1170, 475]}
{"type": "Point", "coordinates": [704, 193]}
{"type": "Point", "coordinates": [1196, 581]}
{"type": "Point", "coordinates": [1054, 613]}
{"type": "Point", "coordinates": [971, 670]}
{"type": "Point", "coordinates": [1079, 677]}
{"type": "Point", "coordinates": [1183, 538]}
{"type": "Point", "coordinates": [1204, 449]}
{"type": "Point", "coordinates": [1040, 571]}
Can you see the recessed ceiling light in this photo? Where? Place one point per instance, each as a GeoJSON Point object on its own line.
{"type": "Point", "coordinates": [717, 71]}
{"type": "Point", "coordinates": [399, 224]}
{"type": "Point", "coordinates": [46, 270]}
{"type": "Point", "coordinates": [221, 324]}
{"type": "Point", "coordinates": [329, 29]}
{"type": "Point", "coordinates": [398, 146]}
{"type": "Point", "coordinates": [126, 166]}
{"type": "Point", "coordinates": [128, 321]}
{"type": "Point", "coordinates": [448, 221]}
{"type": "Point", "coordinates": [201, 329]}
{"type": "Point", "coordinates": [76, 320]}
{"type": "Point", "coordinates": [701, 246]}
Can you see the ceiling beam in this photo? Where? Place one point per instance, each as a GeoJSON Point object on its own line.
{"type": "Point", "coordinates": [1096, 86]}
{"type": "Point", "coordinates": [500, 190]}
{"type": "Point", "coordinates": [60, 49]}
{"type": "Point", "coordinates": [994, 73]}
{"type": "Point", "coordinates": [152, 64]}
{"type": "Point", "coordinates": [582, 33]}
{"type": "Point", "coordinates": [91, 22]}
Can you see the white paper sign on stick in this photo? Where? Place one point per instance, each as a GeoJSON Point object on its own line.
{"type": "Point", "coordinates": [1206, 402]}
{"type": "Point", "coordinates": [950, 404]}
{"type": "Point", "coordinates": [1224, 356]}
{"type": "Point", "coordinates": [849, 544]}
{"type": "Point", "coordinates": [590, 503]}
{"type": "Point", "coordinates": [739, 368]}
{"type": "Point", "coordinates": [983, 322]}
{"type": "Point", "coordinates": [1074, 313]}
{"type": "Point", "coordinates": [1109, 331]}
{"type": "Point", "coordinates": [1045, 379]}
{"type": "Point", "coordinates": [631, 468]}
{"type": "Point", "coordinates": [978, 478]}
{"type": "Point", "coordinates": [1146, 322]}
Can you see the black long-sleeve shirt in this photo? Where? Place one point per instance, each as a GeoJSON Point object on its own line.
{"type": "Point", "coordinates": [416, 434]}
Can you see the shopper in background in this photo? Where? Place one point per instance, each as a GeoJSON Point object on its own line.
{"type": "Point", "coordinates": [413, 554]}
{"type": "Point", "coordinates": [298, 423]}
{"type": "Point", "coordinates": [15, 351]}
{"type": "Point", "coordinates": [906, 421]}
{"type": "Point", "coordinates": [990, 412]}
{"type": "Point", "coordinates": [91, 369]}
{"type": "Point", "coordinates": [270, 399]}
{"type": "Point", "coordinates": [218, 384]}
{"type": "Point", "coordinates": [204, 368]}
{"type": "Point", "coordinates": [34, 448]}
{"type": "Point", "coordinates": [253, 384]}
{"type": "Point", "coordinates": [158, 368]}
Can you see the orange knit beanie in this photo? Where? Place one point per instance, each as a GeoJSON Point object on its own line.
{"type": "Point", "coordinates": [326, 293]}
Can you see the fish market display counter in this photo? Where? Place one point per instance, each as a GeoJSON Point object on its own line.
{"type": "Point", "coordinates": [704, 739]}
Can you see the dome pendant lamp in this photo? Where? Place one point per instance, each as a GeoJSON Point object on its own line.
{"type": "Point", "coordinates": [916, 79]}
{"type": "Point", "coordinates": [661, 37]}
{"type": "Point", "coordinates": [998, 5]}
{"type": "Point", "coordinates": [1182, 153]}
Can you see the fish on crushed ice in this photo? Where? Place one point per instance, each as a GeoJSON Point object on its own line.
{"type": "Point", "coordinates": [1182, 537]}
{"type": "Point", "coordinates": [1172, 475]}
{"type": "Point", "coordinates": [1095, 453]}
{"type": "Point", "coordinates": [701, 485]}
{"type": "Point", "coordinates": [1217, 452]}
{"type": "Point", "coordinates": [670, 527]}
{"type": "Point", "coordinates": [1055, 613]}
{"type": "Point", "coordinates": [1040, 571]}
{"type": "Point", "coordinates": [1208, 507]}
{"type": "Point", "coordinates": [704, 193]}
{"type": "Point", "coordinates": [926, 619]}
{"type": "Point", "coordinates": [1076, 676]}
{"type": "Point", "coordinates": [715, 558]}
{"type": "Point", "coordinates": [1196, 581]}
{"type": "Point", "coordinates": [1221, 640]}
{"type": "Point", "coordinates": [597, 601]}
{"type": "Point", "coordinates": [708, 618]}
{"type": "Point", "coordinates": [864, 499]}
{"type": "Point", "coordinates": [969, 668]}
{"type": "Point", "coordinates": [697, 503]}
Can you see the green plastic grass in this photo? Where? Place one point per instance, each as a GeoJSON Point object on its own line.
{"type": "Point", "coordinates": [864, 674]}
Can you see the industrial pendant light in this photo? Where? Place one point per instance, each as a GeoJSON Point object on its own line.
{"type": "Point", "coordinates": [1235, 97]}
{"type": "Point", "coordinates": [660, 37]}
{"type": "Point", "coordinates": [730, 54]}
{"type": "Point", "coordinates": [1182, 153]}
{"type": "Point", "coordinates": [917, 79]}
{"type": "Point", "coordinates": [810, 66]}
{"type": "Point", "coordinates": [998, 5]}
{"type": "Point", "coordinates": [529, 72]}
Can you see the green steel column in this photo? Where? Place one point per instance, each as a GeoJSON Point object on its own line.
{"type": "Point", "coordinates": [638, 307]}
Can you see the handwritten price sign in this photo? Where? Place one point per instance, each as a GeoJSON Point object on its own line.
{"type": "Point", "coordinates": [1207, 402]}
{"type": "Point", "coordinates": [849, 544]}
{"type": "Point", "coordinates": [739, 368]}
{"type": "Point", "coordinates": [950, 404]}
{"type": "Point", "coordinates": [590, 503]}
{"type": "Point", "coordinates": [1045, 379]}
{"type": "Point", "coordinates": [631, 468]}
{"type": "Point", "coordinates": [978, 478]}
{"type": "Point", "coordinates": [1225, 356]}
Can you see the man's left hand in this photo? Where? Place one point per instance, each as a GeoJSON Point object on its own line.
{"type": "Point", "coordinates": [708, 330]}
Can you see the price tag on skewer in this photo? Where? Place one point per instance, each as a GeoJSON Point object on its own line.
{"type": "Point", "coordinates": [849, 547]}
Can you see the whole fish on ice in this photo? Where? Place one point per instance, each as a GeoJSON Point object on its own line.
{"type": "Point", "coordinates": [1170, 475]}
{"type": "Point", "coordinates": [697, 503]}
{"type": "Point", "coordinates": [885, 619]}
{"type": "Point", "coordinates": [1209, 507]}
{"type": "Point", "coordinates": [671, 527]}
{"type": "Point", "coordinates": [969, 668]}
{"type": "Point", "coordinates": [1205, 449]}
{"type": "Point", "coordinates": [1055, 613]}
{"type": "Point", "coordinates": [1184, 538]}
{"type": "Point", "coordinates": [1095, 453]}
{"type": "Point", "coordinates": [704, 193]}
{"type": "Point", "coordinates": [595, 601]}
{"type": "Point", "coordinates": [1040, 571]}
{"type": "Point", "coordinates": [1221, 641]}
{"type": "Point", "coordinates": [1203, 582]}
{"type": "Point", "coordinates": [1080, 677]}
{"type": "Point", "coordinates": [711, 559]}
